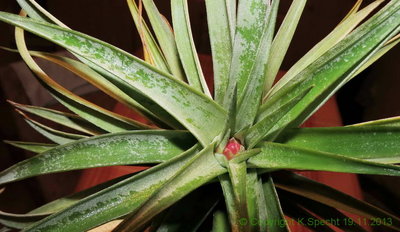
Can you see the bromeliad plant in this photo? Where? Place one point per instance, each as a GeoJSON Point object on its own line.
{"type": "Point", "coordinates": [204, 148]}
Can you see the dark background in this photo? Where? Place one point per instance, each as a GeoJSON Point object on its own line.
{"type": "Point", "coordinates": [372, 95]}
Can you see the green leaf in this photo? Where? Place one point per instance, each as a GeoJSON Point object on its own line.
{"type": "Point", "coordinates": [99, 81]}
{"type": "Point", "coordinates": [282, 41]}
{"type": "Point", "coordinates": [329, 196]}
{"type": "Point", "coordinates": [330, 215]}
{"type": "Point", "coordinates": [201, 169]}
{"type": "Point", "coordinates": [21, 221]}
{"type": "Point", "coordinates": [220, 222]}
{"type": "Point", "coordinates": [274, 211]}
{"type": "Point", "coordinates": [256, 201]}
{"type": "Point", "coordinates": [269, 115]}
{"type": "Point", "coordinates": [186, 48]}
{"type": "Point", "coordinates": [375, 143]}
{"type": "Point", "coordinates": [66, 119]}
{"type": "Point", "coordinates": [328, 73]}
{"type": "Point", "coordinates": [149, 42]}
{"type": "Point", "coordinates": [29, 146]}
{"type": "Point", "coordinates": [115, 201]}
{"type": "Point", "coordinates": [136, 147]}
{"type": "Point", "coordinates": [280, 156]}
{"type": "Point", "coordinates": [353, 10]}
{"type": "Point", "coordinates": [249, 30]}
{"type": "Point", "coordinates": [202, 116]}
{"type": "Point", "coordinates": [59, 137]}
{"type": "Point", "coordinates": [189, 213]}
{"type": "Point", "coordinates": [35, 11]}
{"type": "Point", "coordinates": [337, 35]}
{"type": "Point", "coordinates": [238, 180]}
{"type": "Point", "coordinates": [382, 51]}
{"type": "Point", "coordinates": [165, 38]}
{"type": "Point", "coordinates": [230, 201]}
{"type": "Point", "coordinates": [300, 216]}
{"type": "Point", "coordinates": [250, 101]}
{"type": "Point", "coordinates": [98, 116]}
{"type": "Point", "coordinates": [389, 122]}
{"type": "Point", "coordinates": [218, 19]}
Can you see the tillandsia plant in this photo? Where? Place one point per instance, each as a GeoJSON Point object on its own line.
{"type": "Point", "coordinates": [224, 159]}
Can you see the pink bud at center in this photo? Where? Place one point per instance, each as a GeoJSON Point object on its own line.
{"type": "Point", "coordinates": [232, 148]}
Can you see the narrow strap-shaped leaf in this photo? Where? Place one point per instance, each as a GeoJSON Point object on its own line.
{"type": "Point", "coordinates": [21, 221]}
{"type": "Point", "coordinates": [221, 44]}
{"type": "Point", "coordinates": [185, 44]}
{"type": "Point", "coordinates": [375, 143]}
{"type": "Point", "coordinates": [269, 116]}
{"type": "Point", "coordinates": [150, 44]}
{"type": "Point", "coordinates": [66, 119]}
{"type": "Point", "coordinates": [137, 147]}
{"type": "Point", "coordinates": [115, 201]}
{"type": "Point", "coordinates": [280, 156]}
{"type": "Point", "coordinates": [98, 116]}
{"type": "Point", "coordinates": [300, 216]}
{"type": "Point", "coordinates": [390, 122]}
{"type": "Point", "coordinates": [230, 201]}
{"type": "Point", "coordinates": [282, 41]}
{"type": "Point", "coordinates": [338, 34]}
{"type": "Point", "coordinates": [202, 116]}
{"type": "Point", "coordinates": [57, 136]}
{"type": "Point", "coordinates": [249, 30]}
{"type": "Point", "coordinates": [102, 83]}
{"type": "Point", "coordinates": [329, 215]}
{"type": "Point", "coordinates": [327, 195]}
{"type": "Point", "coordinates": [382, 51]}
{"type": "Point", "coordinates": [275, 217]}
{"type": "Point", "coordinates": [35, 11]}
{"type": "Point", "coordinates": [330, 72]}
{"type": "Point", "coordinates": [353, 10]}
{"type": "Point", "coordinates": [189, 213]}
{"type": "Point", "coordinates": [256, 202]}
{"type": "Point", "coordinates": [250, 100]}
{"type": "Point", "coordinates": [165, 38]}
{"type": "Point", "coordinates": [201, 169]}
{"type": "Point", "coordinates": [29, 146]}
{"type": "Point", "coordinates": [231, 7]}
{"type": "Point", "coordinates": [238, 179]}
{"type": "Point", "coordinates": [220, 222]}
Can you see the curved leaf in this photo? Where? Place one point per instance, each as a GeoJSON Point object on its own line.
{"type": "Point", "coordinates": [327, 195]}
{"type": "Point", "coordinates": [29, 146]}
{"type": "Point", "coordinates": [199, 170]}
{"type": "Point", "coordinates": [185, 44]}
{"type": "Point", "coordinates": [21, 221]}
{"type": "Point", "coordinates": [115, 201]}
{"type": "Point", "coordinates": [337, 35]}
{"type": "Point", "coordinates": [100, 117]}
{"type": "Point", "coordinates": [282, 41]}
{"type": "Point", "coordinates": [280, 156]}
{"type": "Point", "coordinates": [66, 119]}
{"type": "Point", "coordinates": [165, 38]}
{"type": "Point", "coordinates": [137, 147]}
{"type": "Point", "coordinates": [149, 43]}
{"type": "Point", "coordinates": [375, 143]}
{"type": "Point", "coordinates": [202, 116]}
{"type": "Point", "coordinates": [328, 73]}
